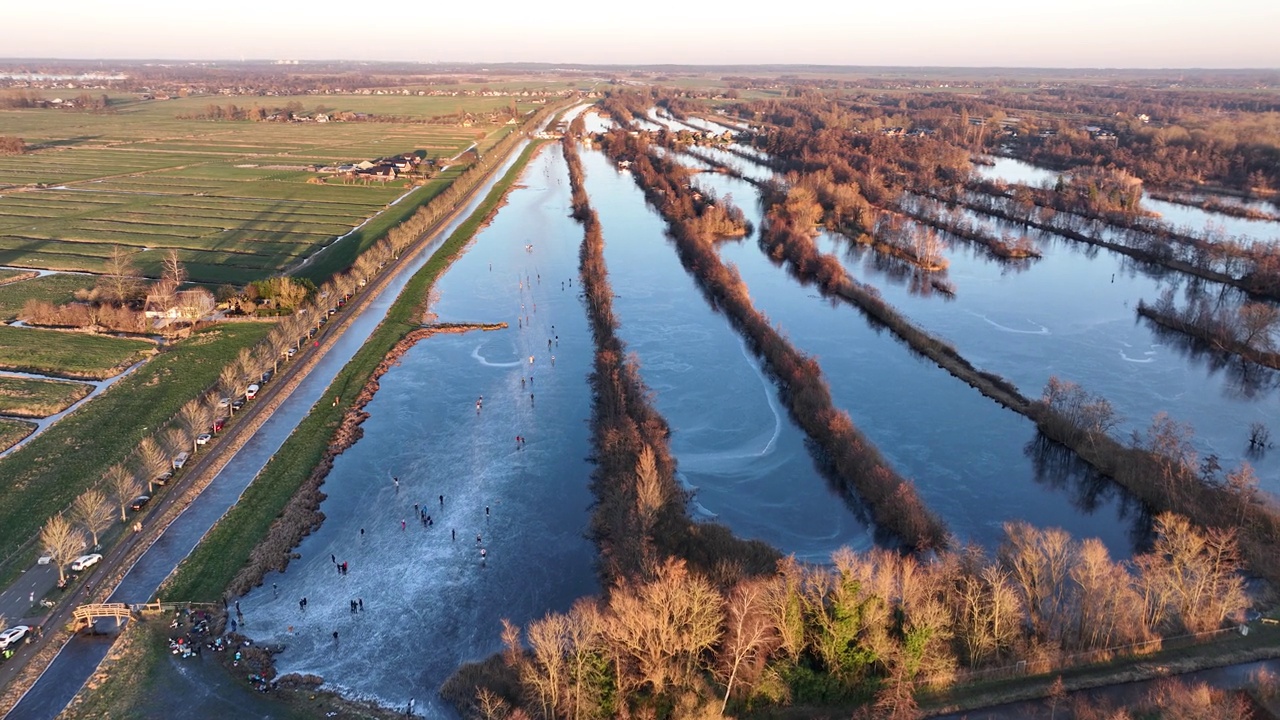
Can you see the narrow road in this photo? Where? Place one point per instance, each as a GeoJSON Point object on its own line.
{"type": "Point", "coordinates": [80, 657]}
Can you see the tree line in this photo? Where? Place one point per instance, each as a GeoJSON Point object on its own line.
{"type": "Point", "coordinates": [872, 628]}
{"type": "Point", "coordinates": [1247, 330]}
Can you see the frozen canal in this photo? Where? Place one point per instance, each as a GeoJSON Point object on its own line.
{"type": "Point", "coordinates": [430, 602]}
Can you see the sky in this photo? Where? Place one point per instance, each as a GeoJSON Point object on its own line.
{"type": "Point", "coordinates": [1080, 33]}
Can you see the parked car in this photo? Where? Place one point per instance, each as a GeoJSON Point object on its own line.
{"type": "Point", "coordinates": [84, 562]}
{"type": "Point", "coordinates": [163, 478]}
{"type": "Point", "coordinates": [140, 502]}
{"type": "Point", "coordinates": [266, 377]}
{"type": "Point", "coordinates": [219, 424]}
{"type": "Point", "coordinates": [237, 404]}
{"type": "Point", "coordinates": [224, 402]}
{"type": "Point", "coordinates": [13, 635]}
{"type": "Point", "coordinates": [252, 392]}
{"type": "Point", "coordinates": [291, 352]}
{"type": "Point", "coordinates": [203, 438]}
{"type": "Point", "coordinates": [180, 459]}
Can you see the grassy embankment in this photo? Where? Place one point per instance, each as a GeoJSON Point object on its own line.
{"type": "Point", "coordinates": [46, 475]}
{"type": "Point", "coordinates": [210, 568]}
{"type": "Point", "coordinates": [69, 355]}
{"type": "Point", "coordinates": [28, 397]}
{"type": "Point", "coordinates": [11, 431]}
{"type": "Point", "coordinates": [155, 676]}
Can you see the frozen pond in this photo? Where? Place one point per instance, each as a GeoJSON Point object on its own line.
{"type": "Point", "coordinates": [430, 601]}
{"type": "Point", "coordinates": [1072, 314]}
{"type": "Point", "coordinates": [974, 463]}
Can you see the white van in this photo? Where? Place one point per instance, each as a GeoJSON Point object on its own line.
{"type": "Point", "coordinates": [180, 459]}
{"type": "Point", "coordinates": [251, 392]}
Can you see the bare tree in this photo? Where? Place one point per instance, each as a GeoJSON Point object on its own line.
{"type": "Point", "coordinates": [152, 462]}
{"type": "Point", "coordinates": [62, 542]}
{"type": "Point", "coordinates": [231, 381]}
{"type": "Point", "coordinates": [1257, 322]}
{"type": "Point", "coordinates": [290, 293]}
{"type": "Point", "coordinates": [749, 637]}
{"type": "Point", "coordinates": [173, 269]}
{"type": "Point", "coordinates": [196, 416]}
{"type": "Point", "coordinates": [665, 626]}
{"type": "Point", "coordinates": [195, 304]}
{"type": "Point", "coordinates": [93, 512]}
{"type": "Point", "coordinates": [119, 281]}
{"type": "Point", "coordinates": [545, 675]}
{"type": "Point", "coordinates": [247, 365]}
{"type": "Point", "coordinates": [176, 439]}
{"type": "Point", "coordinates": [123, 486]}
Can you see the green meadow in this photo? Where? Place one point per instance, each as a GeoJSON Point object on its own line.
{"type": "Point", "coordinates": [233, 199]}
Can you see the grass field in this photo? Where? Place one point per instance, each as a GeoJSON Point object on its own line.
{"type": "Point", "coordinates": [67, 354]}
{"type": "Point", "coordinates": [58, 289]}
{"type": "Point", "coordinates": [50, 471]}
{"type": "Point", "coordinates": [232, 198]}
{"type": "Point", "coordinates": [29, 397]}
{"type": "Point", "coordinates": [11, 431]}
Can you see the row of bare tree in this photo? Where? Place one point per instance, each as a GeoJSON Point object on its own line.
{"type": "Point", "coordinates": [1247, 330]}
{"type": "Point", "coordinates": [877, 623]}
{"type": "Point", "coordinates": [640, 514]}
{"type": "Point", "coordinates": [892, 500]}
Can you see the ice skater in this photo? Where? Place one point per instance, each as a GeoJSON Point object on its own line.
{"type": "Point", "coordinates": [441, 501]}
{"type": "Point", "coordinates": [396, 481]}
{"type": "Point", "coordinates": [402, 524]}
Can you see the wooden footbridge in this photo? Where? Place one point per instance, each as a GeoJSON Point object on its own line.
{"type": "Point", "coordinates": [85, 615]}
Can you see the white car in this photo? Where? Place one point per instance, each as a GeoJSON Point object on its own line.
{"type": "Point", "coordinates": [251, 392]}
{"type": "Point", "coordinates": [224, 402]}
{"type": "Point", "coordinates": [203, 438]}
{"type": "Point", "coordinates": [13, 635]}
{"type": "Point", "coordinates": [84, 562]}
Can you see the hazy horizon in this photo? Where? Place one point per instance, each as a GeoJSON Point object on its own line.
{"type": "Point", "coordinates": [1090, 34]}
